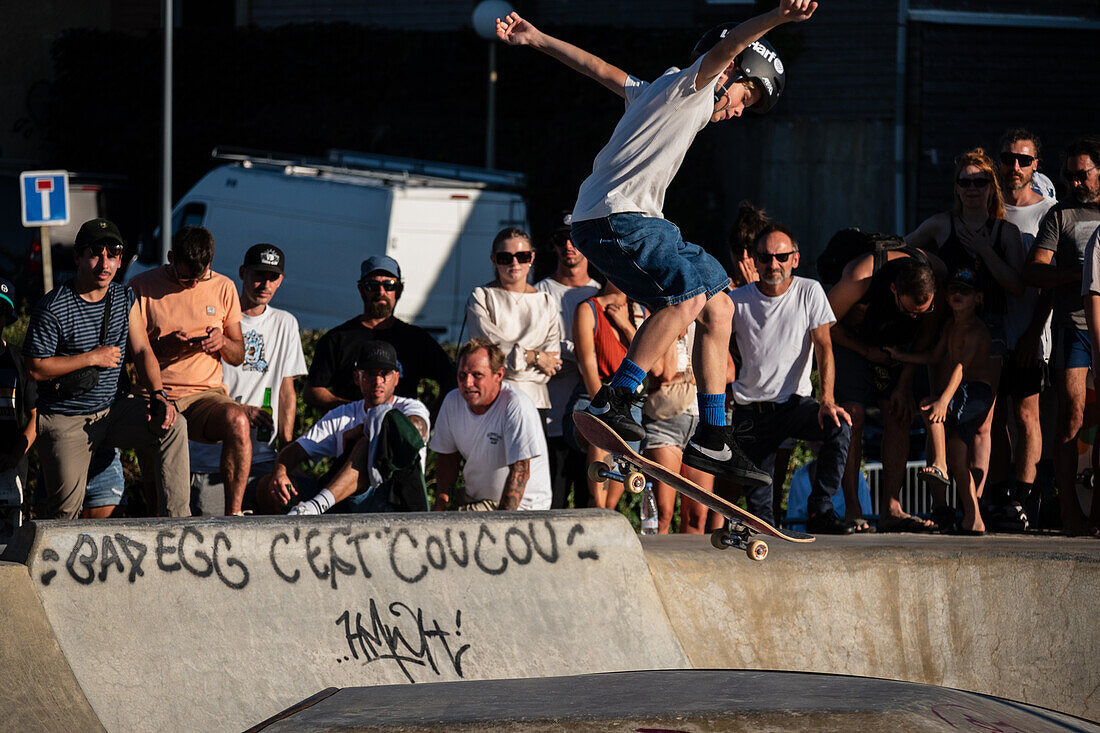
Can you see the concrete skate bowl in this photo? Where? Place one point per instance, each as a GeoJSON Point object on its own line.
{"type": "Point", "coordinates": [210, 624]}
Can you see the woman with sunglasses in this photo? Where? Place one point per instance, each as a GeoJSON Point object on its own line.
{"type": "Point", "coordinates": [523, 321]}
{"type": "Point", "coordinates": [975, 235]}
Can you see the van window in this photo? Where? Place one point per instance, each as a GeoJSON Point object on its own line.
{"type": "Point", "coordinates": [191, 215]}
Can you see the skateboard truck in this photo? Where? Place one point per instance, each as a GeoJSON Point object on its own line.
{"type": "Point", "coordinates": [635, 481]}
{"type": "Point", "coordinates": [735, 534]}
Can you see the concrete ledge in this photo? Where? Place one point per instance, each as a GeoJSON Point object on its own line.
{"type": "Point", "coordinates": [682, 700]}
{"type": "Point", "coordinates": [1009, 616]}
{"type": "Point", "coordinates": [38, 691]}
{"type": "Point", "coordinates": [214, 624]}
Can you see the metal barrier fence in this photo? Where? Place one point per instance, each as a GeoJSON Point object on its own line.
{"type": "Point", "coordinates": [915, 498]}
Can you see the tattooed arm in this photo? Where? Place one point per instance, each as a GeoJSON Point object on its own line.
{"type": "Point", "coordinates": [515, 485]}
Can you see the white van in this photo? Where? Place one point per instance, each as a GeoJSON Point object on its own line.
{"type": "Point", "coordinates": [328, 215]}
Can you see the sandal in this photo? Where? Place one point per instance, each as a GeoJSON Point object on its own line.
{"type": "Point", "coordinates": [906, 524]}
{"type": "Point", "coordinates": [933, 475]}
{"type": "Point", "coordinates": [945, 518]}
{"type": "Point", "coordinates": [860, 526]}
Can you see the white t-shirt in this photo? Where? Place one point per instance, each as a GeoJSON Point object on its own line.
{"type": "Point", "coordinates": [773, 335]}
{"type": "Point", "coordinates": [561, 385]}
{"type": "Point", "coordinates": [272, 350]}
{"type": "Point", "coordinates": [1090, 276]}
{"type": "Point", "coordinates": [635, 168]}
{"type": "Point", "coordinates": [516, 322]}
{"type": "Point", "coordinates": [1020, 310]}
{"type": "Point", "coordinates": [508, 432]}
{"type": "Point", "coordinates": [326, 438]}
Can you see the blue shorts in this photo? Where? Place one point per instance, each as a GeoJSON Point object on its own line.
{"type": "Point", "coordinates": [968, 408]}
{"type": "Point", "coordinates": [1072, 348]}
{"type": "Point", "coordinates": [648, 259]}
{"type": "Point", "coordinates": [105, 480]}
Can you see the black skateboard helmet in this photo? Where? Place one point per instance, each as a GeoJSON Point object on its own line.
{"type": "Point", "coordinates": [758, 62]}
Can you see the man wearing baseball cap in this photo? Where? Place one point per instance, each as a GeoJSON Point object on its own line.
{"type": "Point", "coordinates": [330, 382]}
{"type": "Point", "coordinates": [79, 335]}
{"type": "Point", "coordinates": [273, 357]}
{"type": "Point", "coordinates": [378, 442]}
{"type": "Point", "coordinates": [17, 420]}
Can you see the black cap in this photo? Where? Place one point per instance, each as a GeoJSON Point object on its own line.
{"type": "Point", "coordinates": [965, 276]}
{"type": "Point", "coordinates": [97, 230]}
{"type": "Point", "coordinates": [377, 355]}
{"type": "Point", "coordinates": [7, 296]}
{"type": "Point", "coordinates": [266, 258]}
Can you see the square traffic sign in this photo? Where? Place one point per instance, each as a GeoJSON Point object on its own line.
{"type": "Point", "coordinates": [44, 198]}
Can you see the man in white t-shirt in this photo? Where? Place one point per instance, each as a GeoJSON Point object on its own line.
{"type": "Point", "coordinates": [378, 442]}
{"type": "Point", "coordinates": [568, 286]}
{"type": "Point", "coordinates": [781, 322]}
{"type": "Point", "coordinates": [273, 357]}
{"type": "Point", "coordinates": [1027, 330]}
{"type": "Point", "coordinates": [496, 429]}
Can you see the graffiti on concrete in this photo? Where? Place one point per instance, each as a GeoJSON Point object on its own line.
{"type": "Point", "coordinates": [400, 634]}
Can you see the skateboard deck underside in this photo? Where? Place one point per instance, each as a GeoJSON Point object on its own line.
{"type": "Point", "coordinates": [600, 435]}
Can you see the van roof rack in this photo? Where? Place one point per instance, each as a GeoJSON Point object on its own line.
{"type": "Point", "coordinates": [383, 168]}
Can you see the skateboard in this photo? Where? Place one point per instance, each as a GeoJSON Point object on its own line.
{"type": "Point", "coordinates": [633, 471]}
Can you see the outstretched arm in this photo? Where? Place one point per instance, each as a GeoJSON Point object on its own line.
{"type": "Point", "coordinates": [737, 40]}
{"type": "Point", "coordinates": [515, 31]}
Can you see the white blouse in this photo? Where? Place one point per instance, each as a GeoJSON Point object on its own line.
{"type": "Point", "coordinates": [516, 322]}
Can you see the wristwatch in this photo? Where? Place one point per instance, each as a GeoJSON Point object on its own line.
{"type": "Point", "coordinates": [163, 394]}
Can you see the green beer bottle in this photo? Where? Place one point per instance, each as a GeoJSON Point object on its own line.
{"type": "Point", "coordinates": [263, 434]}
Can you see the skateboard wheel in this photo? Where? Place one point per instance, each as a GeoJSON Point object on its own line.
{"type": "Point", "coordinates": [596, 470]}
{"type": "Point", "coordinates": [757, 550]}
{"type": "Point", "coordinates": [718, 539]}
{"type": "Point", "coordinates": [635, 481]}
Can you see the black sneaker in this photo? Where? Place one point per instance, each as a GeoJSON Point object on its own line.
{"type": "Point", "coordinates": [612, 405]}
{"type": "Point", "coordinates": [713, 449]}
{"type": "Point", "coordinates": [829, 523]}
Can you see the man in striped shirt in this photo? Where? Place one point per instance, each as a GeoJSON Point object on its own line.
{"type": "Point", "coordinates": [80, 334]}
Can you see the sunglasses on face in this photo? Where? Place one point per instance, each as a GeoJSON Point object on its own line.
{"type": "Point", "coordinates": [376, 286]}
{"type": "Point", "coordinates": [968, 182]}
{"type": "Point", "coordinates": [505, 258]}
{"type": "Point", "coordinates": [1011, 159]}
{"type": "Point", "coordinates": [764, 257]}
{"type": "Point", "coordinates": [1079, 176]}
{"type": "Point", "coordinates": [111, 250]}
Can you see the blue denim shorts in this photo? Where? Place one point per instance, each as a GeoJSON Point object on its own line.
{"type": "Point", "coordinates": [1072, 348]}
{"type": "Point", "coordinates": [106, 483]}
{"type": "Point", "coordinates": [648, 259]}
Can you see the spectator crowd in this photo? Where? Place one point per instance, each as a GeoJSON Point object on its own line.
{"type": "Point", "coordinates": [959, 326]}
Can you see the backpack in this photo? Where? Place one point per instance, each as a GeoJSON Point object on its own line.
{"type": "Point", "coordinates": [848, 244]}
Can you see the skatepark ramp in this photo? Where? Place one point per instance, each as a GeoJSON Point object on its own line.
{"type": "Point", "coordinates": [219, 624]}
{"type": "Point", "coordinates": [214, 624]}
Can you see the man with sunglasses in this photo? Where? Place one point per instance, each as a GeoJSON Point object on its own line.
{"type": "Point", "coordinates": [569, 285]}
{"type": "Point", "coordinates": [884, 298]}
{"type": "Point", "coordinates": [331, 379]}
{"type": "Point", "coordinates": [273, 357]}
{"type": "Point", "coordinates": [80, 334]}
{"type": "Point", "coordinates": [193, 318]}
{"type": "Point", "coordinates": [781, 322]}
{"type": "Point", "coordinates": [1027, 328]}
{"type": "Point", "coordinates": [1056, 262]}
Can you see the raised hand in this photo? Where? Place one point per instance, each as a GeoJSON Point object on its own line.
{"type": "Point", "coordinates": [515, 31]}
{"type": "Point", "coordinates": [796, 11]}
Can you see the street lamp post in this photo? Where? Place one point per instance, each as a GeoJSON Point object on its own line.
{"type": "Point", "coordinates": [484, 22]}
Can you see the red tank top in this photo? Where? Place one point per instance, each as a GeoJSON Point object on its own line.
{"type": "Point", "coordinates": [609, 349]}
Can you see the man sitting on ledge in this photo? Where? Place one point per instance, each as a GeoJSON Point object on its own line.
{"type": "Point", "coordinates": [497, 430]}
{"type": "Point", "coordinates": [378, 439]}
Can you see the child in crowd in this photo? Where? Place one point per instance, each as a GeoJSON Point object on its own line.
{"type": "Point", "coordinates": [966, 398]}
{"type": "Point", "coordinates": [618, 224]}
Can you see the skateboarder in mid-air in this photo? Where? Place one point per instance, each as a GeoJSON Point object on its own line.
{"type": "Point", "coordinates": [618, 225]}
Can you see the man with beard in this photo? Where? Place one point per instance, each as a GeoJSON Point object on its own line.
{"type": "Point", "coordinates": [331, 380]}
{"type": "Point", "coordinates": [1056, 262]}
{"type": "Point", "coordinates": [569, 285]}
{"type": "Point", "coordinates": [1027, 329]}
